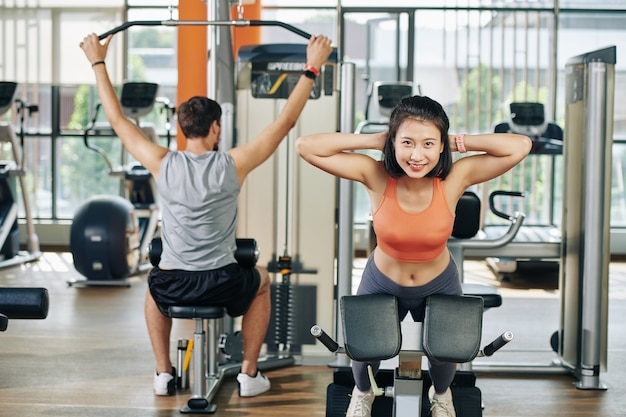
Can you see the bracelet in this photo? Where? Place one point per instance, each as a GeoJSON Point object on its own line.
{"type": "Point", "coordinates": [311, 68]}
{"type": "Point", "coordinates": [310, 74]}
{"type": "Point", "coordinates": [97, 63]}
{"type": "Point", "coordinates": [460, 143]}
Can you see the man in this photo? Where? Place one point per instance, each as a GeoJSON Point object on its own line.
{"type": "Point", "coordinates": [198, 190]}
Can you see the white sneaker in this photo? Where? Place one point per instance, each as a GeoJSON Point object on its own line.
{"type": "Point", "coordinates": [250, 387]}
{"type": "Point", "coordinates": [165, 383]}
{"type": "Point", "coordinates": [441, 405]}
{"type": "Point", "coordinates": [360, 403]}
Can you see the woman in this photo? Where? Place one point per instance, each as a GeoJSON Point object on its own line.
{"type": "Point", "coordinates": [413, 192]}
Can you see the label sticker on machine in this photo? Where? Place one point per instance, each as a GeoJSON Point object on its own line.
{"type": "Point", "coordinates": [278, 79]}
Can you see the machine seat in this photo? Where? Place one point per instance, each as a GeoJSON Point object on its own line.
{"type": "Point", "coordinates": [196, 312]}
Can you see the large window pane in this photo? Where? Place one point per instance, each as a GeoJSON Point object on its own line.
{"type": "Point", "coordinates": [581, 33]}
{"type": "Point", "coordinates": [70, 64]}
{"type": "Point", "coordinates": [584, 32]}
{"type": "Point", "coordinates": [83, 173]}
{"type": "Point", "coordinates": [450, 3]}
{"type": "Point", "coordinates": [586, 4]}
{"type": "Point", "coordinates": [313, 21]}
{"type": "Point", "coordinates": [26, 45]}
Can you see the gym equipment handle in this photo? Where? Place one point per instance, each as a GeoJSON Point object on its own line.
{"type": "Point", "coordinates": [24, 303]}
{"type": "Point", "coordinates": [492, 204]}
{"type": "Point", "coordinates": [500, 341]}
{"type": "Point", "coordinates": [126, 25]}
{"type": "Point", "coordinates": [283, 25]}
{"type": "Point", "coordinates": [326, 340]}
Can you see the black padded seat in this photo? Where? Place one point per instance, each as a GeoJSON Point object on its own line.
{"type": "Point", "coordinates": [371, 326]}
{"type": "Point", "coordinates": [196, 312]}
{"type": "Point", "coordinates": [490, 295]}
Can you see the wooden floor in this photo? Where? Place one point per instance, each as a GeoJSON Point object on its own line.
{"type": "Point", "coordinates": [92, 356]}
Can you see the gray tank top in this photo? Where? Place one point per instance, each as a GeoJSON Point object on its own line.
{"type": "Point", "coordinates": [199, 210]}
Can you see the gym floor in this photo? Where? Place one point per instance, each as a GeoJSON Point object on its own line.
{"type": "Point", "coordinates": [92, 355]}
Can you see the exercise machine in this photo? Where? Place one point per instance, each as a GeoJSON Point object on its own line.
{"type": "Point", "coordinates": [580, 342]}
{"type": "Point", "coordinates": [252, 113]}
{"type": "Point", "coordinates": [537, 247]}
{"type": "Point", "coordinates": [110, 235]}
{"type": "Point", "coordinates": [530, 119]}
{"type": "Point", "coordinates": [12, 172]}
{"type": "Point", "coordinates": [382, 98]}
{"type": "Point", "coordinates": [219, 354]}
{"type": "Point", "coordinates": [290, 189]}
{"type": "Point", "coordinates": [450, 332]}
{"type": "Point", "coordinates": [466, 230]}
{"type": "Point", "coordinates": [23, 303]}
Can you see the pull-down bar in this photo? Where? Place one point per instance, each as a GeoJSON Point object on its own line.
{"type": "Point", "coordinates": [236, 23]}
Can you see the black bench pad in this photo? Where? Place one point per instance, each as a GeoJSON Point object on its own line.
{"type": "Point", "coordinates": [196, 312]}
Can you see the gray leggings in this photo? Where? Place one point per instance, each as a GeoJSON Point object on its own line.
{"type": "Point", "coordinates": [410, 299]}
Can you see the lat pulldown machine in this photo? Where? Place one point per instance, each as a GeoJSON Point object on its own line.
{"type": "Point", "coordinates": [210, 373]}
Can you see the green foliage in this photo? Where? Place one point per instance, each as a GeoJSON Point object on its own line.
{"type": "Point", "coordinates": [137, 69]}
{"type": "Point", "coordinates": [478, 90]}
{"type": "Point", "coordinates": [80, 116]}
{"type": "Point", "coordinates": [83, 172]}
{"type": "Point", "coordinates": [481, 105]}
{"type": "Point", "coordinates": [525, 92]}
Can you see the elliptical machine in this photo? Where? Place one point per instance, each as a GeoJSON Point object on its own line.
{"type": "Point", "coordinates": [11, 173]}
{"type": "Point", "coordinates": [110, 235]}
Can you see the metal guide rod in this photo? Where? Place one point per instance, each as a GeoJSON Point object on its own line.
{"type": "Point", "coordinates": [345, 210]}
{"type": "Point", "coordinates": [236, 23]}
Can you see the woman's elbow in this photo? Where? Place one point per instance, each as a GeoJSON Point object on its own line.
{"type": "Point", "coordinates": [301, 146]}
{"type": "Point", "coordinates": [526, 145]}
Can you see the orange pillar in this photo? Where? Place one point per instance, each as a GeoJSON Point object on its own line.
{"type": "Point", "coordinates": [248, 35]}
{"type": "Point", "coordinates": [192, 57]}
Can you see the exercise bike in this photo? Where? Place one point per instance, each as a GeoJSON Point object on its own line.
{"type": "Point", "coordinates": [450, 332]}
{"type": "Point", "coordinates": [110, 234]}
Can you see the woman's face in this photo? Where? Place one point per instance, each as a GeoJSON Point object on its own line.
{"type": "Point", "coordinates": [418, 147]}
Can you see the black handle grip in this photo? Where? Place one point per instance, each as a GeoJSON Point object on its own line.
{"type": "Point", "coordinates": [126, 25]}
{"type": "Point", "coordinates": [502, 340]}
{"type": "Point", "coordinates": [324, 338]}
{"type": "Point", "coordinates": [492, 204]}
{"type": "Point", "coordinates": [284, 25]}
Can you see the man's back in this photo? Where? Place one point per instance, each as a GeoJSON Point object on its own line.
{"type": "Point", "coordinates": [199, 197]}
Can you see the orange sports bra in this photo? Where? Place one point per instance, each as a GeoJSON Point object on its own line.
{"type": "Point", "coordinates": [413, 237]}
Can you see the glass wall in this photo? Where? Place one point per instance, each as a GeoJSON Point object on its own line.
{"type": "Point", "coordinates": [474, 56]}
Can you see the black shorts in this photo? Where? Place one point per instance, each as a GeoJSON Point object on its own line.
{"type": "Point", "coordinates": [232, 287]}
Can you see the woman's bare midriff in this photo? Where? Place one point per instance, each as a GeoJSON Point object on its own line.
{"type": "Point", "coordinates": [411, 274]}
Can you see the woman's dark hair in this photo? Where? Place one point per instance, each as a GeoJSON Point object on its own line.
{"type": "Point", "coordinates": [418, 108]}
{"type": "Point", "coordinates": [196, 115]}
